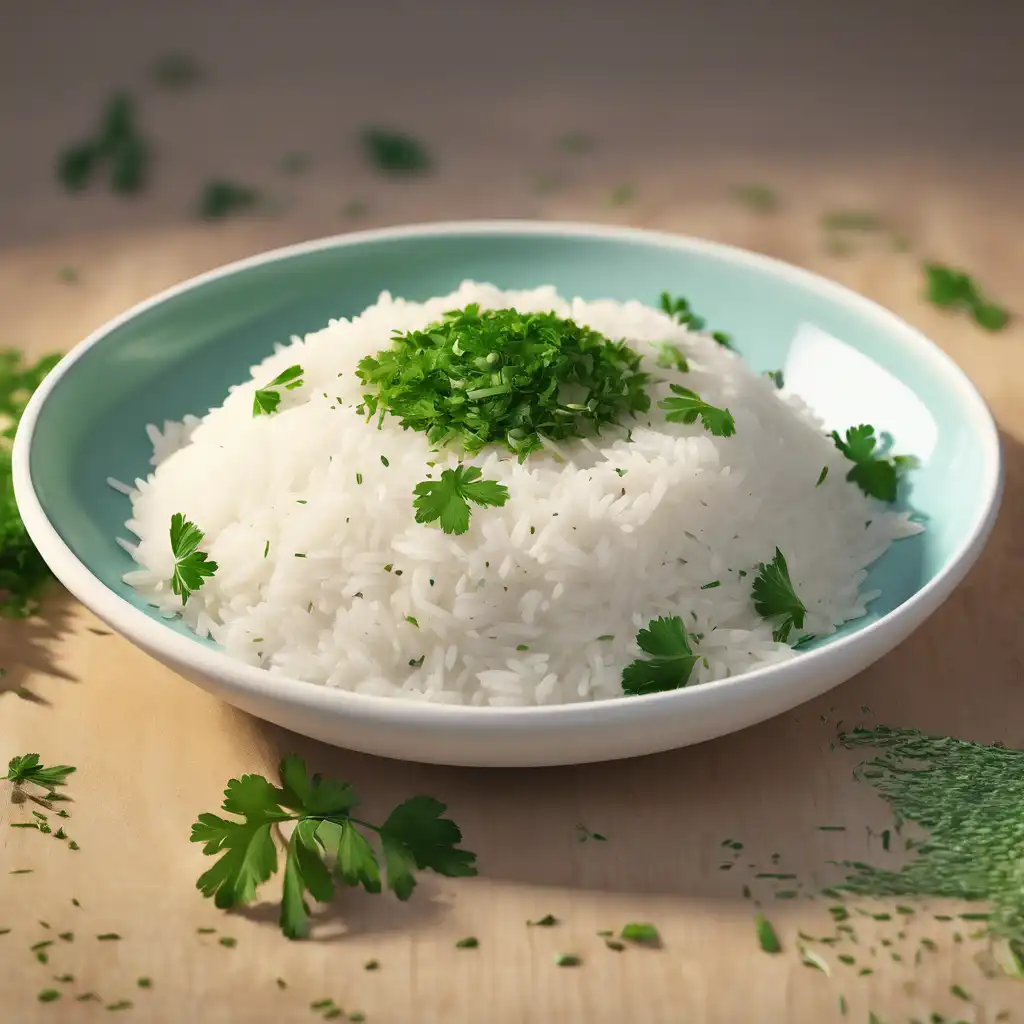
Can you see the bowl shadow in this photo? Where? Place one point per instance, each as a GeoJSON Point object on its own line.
{"type": "Point", "coordinates": [31, 647]}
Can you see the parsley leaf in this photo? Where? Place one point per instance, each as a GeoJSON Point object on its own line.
{"type": "Point", "coordinates": [679, 309]}
{"type": "Point", "coordinates": [448, 499]}
{"type": "Point", "coordinates": [220, 199]}
{"type": "Point", "coordinates": [191, 566]}
{"type": "Point", "coordinates": [268, 398]}
{"type": "Point", "coordinates": [671, 659]}
{"type": "Point", "coordinates": [685, 406]}
{"type": "Point", "coordinates": [671, 356]}
{"type": "Point", "coordinates": [875, 474]}
{"type": "Point", "coordinates": [499, 376]}
{"type": "Point", "coordinates": [775, 596]}
{"type": "Point", "coordinates": [327, 843]}
{"type": "Point", "coordinates": [26, 768]}
{"type": "Point", "coordinates": [947, 287]}
{"type": "Point", "coordinates": [395, 152]}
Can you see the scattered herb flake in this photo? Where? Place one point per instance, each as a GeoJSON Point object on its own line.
{"type": "Point", "coordinates": [642, 933]}
{"type": "Point", "coordinates": [395, 152]}
{"type": "Point", "coordinates": [48, 995]}
{"type": "Point", "coordinates": [954, 289]}
{"type": "Point", "coordinates": [220, 199]}
{"type": "Point", "coordinates": [766, 935]}
{"type": "Point", "coordinates": [568, 960]}
{"type": "Point", "coordinates": [547, 921]}
{"type": "Point", "coordinates": [470, 942]}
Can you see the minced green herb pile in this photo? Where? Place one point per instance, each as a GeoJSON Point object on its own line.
{"type": "Point", "coordinates": [968, 797]}
{"type": "Point", "coordinates": [22, 572]}
{"type": "Point", "coordinates": [504, 377]}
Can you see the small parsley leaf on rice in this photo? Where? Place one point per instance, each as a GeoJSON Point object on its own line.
{"type": "Point", "coordinates": [876, 474]}
{"type": "Point", "coordinates": [685, 406]}
{"type": "Point", "coordinates": [191, 566]}
{"type": "Point", "coordinates": [447, 500]}
{"type": "Point", "coordinates": [775, 596]}
{"type": "Point", "coordinates": [267, 399]}
{"type": "Point", "coordinates": [671, 658]}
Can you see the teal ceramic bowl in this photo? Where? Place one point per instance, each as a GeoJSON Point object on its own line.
{"type": "Point", "coordinates": [179, 352]}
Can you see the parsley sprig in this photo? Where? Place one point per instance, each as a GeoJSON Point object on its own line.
{"type": "Point", "coordinates": [327, 845]}
{"type": "Point", "coordinates": [267, 398]}
{"type": "Point", "coordinates": [191, 566]}
{"type": "Point", "coordinates": [23, 573]}
{"type": "Point", "coordinates": [671, 658]}
{"type": "Point", "coordinates": [679, 309]}
{"type": "Point", "coordinates": [874, 472]}
{"type": "Point", "coordinates": [447, 500]}
{"type": "Point", "coordinates": [685, 406]}
{"type": "Point", "coordinates": [27, 769]}
{"type": "Point", "coordinates": [499, 376]}
{"type": "Point", "coordinates": [775, 597]}
{"type": "Point", "coordinates": [955, 289]}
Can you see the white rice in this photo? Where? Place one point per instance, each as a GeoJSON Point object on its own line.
{"type": "Point", "coordinates": [578, 552]}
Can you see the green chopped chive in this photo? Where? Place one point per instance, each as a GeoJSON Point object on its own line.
{"type": "Point", "coordinates": [846, 958]}
{"type": "Point", "coordinates": [865, 971]}
{"type": "Point", "coordinates": [144, 983]}
{"type": "Point", "coordinates": [642, 933]}
{"type": "Point", "coordinates": [606, 636]}
{"type": "Point", "coordinates": [41, 945]}
{"type": "Point", "coordinates": [711, 585]}
{"type": "Point", "coordinates": [821, 476]}
{"type": "Point", "coordinates": [48, 995]}
{"type": "Point", "coordinates": [842, 1005]}
{"type": "Point", "coordinates": [357, 1018]}
{"type": "Point", "coordinates": [228, 942]}
{"type": "Point", "coordinates": [321, 1004]}
{"type": "Point", "coordinates": [961, 993]}
{"type": "Point", "coordinates": [470, 942]}
{"type": "Point", "coordinates": [206, 931]}
{"type": "Point", "coordinates": [774, 874]}
{"type": "Point", "coordinates": [65, 979]}
{"type": "Point", "coordinates": [109, 937]}
{"type": "Point", "coordinates": [371, 965]}
{"type": "Point", "coordinates": [568, 960]}
{"type": "Point", "coordinates": [614, 945]}
{"type": "Point", "coordinates": [975, 917]}
{"type": "Point", "coordinates": [67, 936]}
{"type": "Point", "coordinates": [121, 1004]}
{"type": "Point", "coordinates": [384, 461]}
{"type": "Point", "coordinates": [547, 921]}
{"type": "Point", "coordinates": [766, 936]}
{"type": "Point", "coordinates": [87, 997]}
{"type": "Point", "coordinates": [831, 828]}
{"type": "Point", "coordinates": [411, 619]}
{"type": "Point", "coordinates": [522, 647]}
{"type": "Point", "coordinates": [359, 478]}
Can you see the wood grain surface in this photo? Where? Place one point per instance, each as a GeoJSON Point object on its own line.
{"type": "Point", "coordinates": [153, 751]}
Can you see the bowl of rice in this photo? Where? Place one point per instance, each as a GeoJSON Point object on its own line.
{"type": "Point", "coordinates": [509, 494]}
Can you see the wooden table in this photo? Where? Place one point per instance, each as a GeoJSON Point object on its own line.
{"type": "Point", "coordinates": [153, 751]}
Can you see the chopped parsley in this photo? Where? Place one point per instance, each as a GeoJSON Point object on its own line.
{"type": "Point", "coordinates": [27, 769]}
{"type": "Point", "coordinates": [23, 573]}
{"type": "Point", "coordinates": [395, 152]}
{"type": "Point", "coordinates": [760, 198]}
{"type": "Point", "coordinates": [547, 921]}
{"type": "Point", "coordinates": [685, 406]}
{"type": "Point", "coordinates": [220, 199]}
{"type": "Point", "coordinates": [470, 942]}
{"type": "Point", "coordinates": [777, 378]}
{"type": "Point", "coordinates": [568, 960]}
{"type": "Point", "coordinates": [775, 598]}
{"type": "Point", "coordinates": [954, 289]}
{"type": "Point", "coordinates": [766, 936]}
{"type": "Point", "coordinates": [414, 836]}
{"type": "Point", "coordinates": [117, 144]}
{"type": "Point", "coordinates": [821, 476]}
{"type": "Point", "coordinates": [191, 566]}
{"type": "Point", "coordinates": [671, 659]}
{"type": "Point", "coordinates": [446, 501]}
{"type": "Point", "coordinates": [267, 398]}
{"type": "Point", "coordinates": [669, 356]}
{"type": "Point", "coordinates": [679, 309]}
{"type": "Point", "coordinates": [504, 377]}
{"type": "Point", "coordinates": [177, 71]}
{"type": "Point", "coordinates": [874, 472]}
{"type": "Point", "coordinates": [641, 933]}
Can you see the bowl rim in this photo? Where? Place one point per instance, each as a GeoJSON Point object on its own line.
{"type": "Point", "coordinates": [241, 679]}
